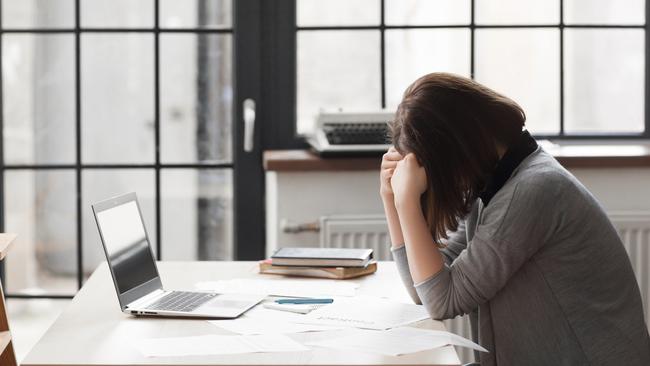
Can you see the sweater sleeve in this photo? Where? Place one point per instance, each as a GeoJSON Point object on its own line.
{"type": "Point", "coordinates": [508, 235]}
{"type": "Point", "coordinates": [402, 263]}
{"type": "Point", "coordinates": [454, 245]}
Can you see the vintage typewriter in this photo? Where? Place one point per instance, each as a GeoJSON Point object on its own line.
{"type": "Point", "coordinates": [351, 134]}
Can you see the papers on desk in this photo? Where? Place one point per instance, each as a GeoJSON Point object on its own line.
{"type": "Point", "coordinates": [366, 313]}
{"type": "Point", "coordinates": [217, 345]}
{"type": "Point", "coordinates": [281, 287]}
{"type": "Point", "coordinates": [395, 342]}
{"type": "Point", "coordinates": [260, 320]}
{"type": "Point", "coordinates": [268, 326]}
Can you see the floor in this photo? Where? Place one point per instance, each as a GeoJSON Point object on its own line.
{"type": "Point", "coordinates": [29, 319]}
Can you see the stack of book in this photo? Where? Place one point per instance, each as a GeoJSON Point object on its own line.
{"type": "Point", "coordinates": [335, 263]}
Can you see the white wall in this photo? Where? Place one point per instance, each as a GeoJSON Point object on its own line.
{"type": "Point", "coordinates": [303, 197]}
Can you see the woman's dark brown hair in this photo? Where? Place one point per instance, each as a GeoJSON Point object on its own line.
{"type": "Point", "coordinates": [452, 125]}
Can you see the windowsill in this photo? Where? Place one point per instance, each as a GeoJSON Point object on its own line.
{"type": "Point", "coordinates": [571, 154]}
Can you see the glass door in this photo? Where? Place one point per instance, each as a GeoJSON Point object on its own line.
{"type": "Point", "coordinates": [103, 97]}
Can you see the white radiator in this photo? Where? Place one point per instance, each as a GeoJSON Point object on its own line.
{"type": "Point", "coordinates": [356, 231]}
{"type": "Point", "coordinates": [370, 231]}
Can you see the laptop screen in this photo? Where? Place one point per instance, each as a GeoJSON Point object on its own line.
{"type": "Point", "coordinates": [127, 246]}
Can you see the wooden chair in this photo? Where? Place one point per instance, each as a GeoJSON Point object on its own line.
{"type": "Point", "coordinates": [7, 354]}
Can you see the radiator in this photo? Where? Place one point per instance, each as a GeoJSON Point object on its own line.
{"type": "Point", "coordinates": [370, 231]}
{"type": "Point", "coordinates": [356, 231]}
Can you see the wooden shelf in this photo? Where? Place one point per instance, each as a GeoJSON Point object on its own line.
{"type": "Point", "coordinates": [305, 160]}
{"type": "Point", "coordinates": [5, 339]}
{"type": "Point", "coordinates": [5, 243]}
{"type": "Point", "coordinates": [570, 156]}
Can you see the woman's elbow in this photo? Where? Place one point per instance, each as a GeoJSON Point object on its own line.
{"type": "Point", "coordinates": [444, 306]}
{"type": "Point", "coordinates": [441, 313]}
{"type": "Point", "coordinates": [414, 295]}
{"type": "Point", "coordinates": [416, 299]}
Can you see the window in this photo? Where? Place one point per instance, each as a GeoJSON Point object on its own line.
{"type": "Point", "coordinates": [101, 97]}
{"type": "Point", "coordinates": [577, 67]}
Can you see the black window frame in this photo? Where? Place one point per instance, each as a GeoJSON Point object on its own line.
{"type": "Point", "coordinates": [247, 209]}
{"type": "Point", "coordinates": [283, 66]}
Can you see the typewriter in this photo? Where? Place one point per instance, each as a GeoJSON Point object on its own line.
{"type": "Point", "coordinates": [351, 134]}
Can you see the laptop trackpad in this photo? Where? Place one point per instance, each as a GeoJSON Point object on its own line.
{"type": "Point", "coordinates": [230, 304]}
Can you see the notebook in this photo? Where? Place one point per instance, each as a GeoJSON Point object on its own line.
{"type": "Point", "coordinates": [322, 257]}
{"type": "Point", "coordinates": [336, 273]}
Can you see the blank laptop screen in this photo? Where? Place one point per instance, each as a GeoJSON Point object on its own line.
{"type": "Point", "coordinates": [127, 246]}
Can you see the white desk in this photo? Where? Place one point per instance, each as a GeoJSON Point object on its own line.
{"type": "Point", "coordinates": [93, 330]}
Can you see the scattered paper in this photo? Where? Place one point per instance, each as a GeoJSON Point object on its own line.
{"type": "Point", "coordinates": [366, 313]}
{"type": "Point", "coordinates": [217, 345]}
{"type": "Point", "coordinates": [397, 341]}
{"type": "Point", "coordinates": [263, 313]}
{"type": "Point", "coordinates": [432, 335]}
{"type": "Point", "coordinates": [272, 343]}
{"type": "Point", "coordinates": [250, 326]}
{"type": "Point", "coordinates": [283, 287]}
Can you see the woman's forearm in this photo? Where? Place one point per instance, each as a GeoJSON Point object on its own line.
{"type": "Point", "coordinates": [394, 229]}
{"type": "Point", "coordinates": [424, 257]}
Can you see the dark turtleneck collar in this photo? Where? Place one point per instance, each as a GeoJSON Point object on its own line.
{"type": "Point", "coordinates": [516, 153]}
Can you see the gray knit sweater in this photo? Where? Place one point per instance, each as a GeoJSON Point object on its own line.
{"type": "Point", "coordinates": [546, 273]}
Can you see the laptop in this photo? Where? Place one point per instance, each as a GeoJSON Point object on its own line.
{"type": "Point", "coordinates": [135, 274]}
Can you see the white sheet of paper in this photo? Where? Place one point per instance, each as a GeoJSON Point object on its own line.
{"type": "Point", "coordinates": [272, 343]}
{"type": "Point", "coordinates": [367, 313]}
{"type": "Point", "coordinates": [282, 287]}
{"type": "Point", "coordinates": [426, 335]}
{"type": "Point", "coordinates": [397, 341]}
{"type": "Point", "coordinates": [260, 312]}
{"type": "Point", "coordinates": [251, 325]}
{"type": "Point", "coordinates": [217, 345]}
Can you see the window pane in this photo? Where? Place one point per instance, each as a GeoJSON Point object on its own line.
{"type": "Point", "coordinates": [604, 80]}
{"type": "Point", "coordinates": [195, 97]}
{"type": "Point", "coordinates": [117, 13]}
{"type": "Point", "coordinates": [39, 95]}
{"type": "Point", "coordinates": [427, 12]}
{"type": "Point", "coordinates": [38, 13]}
{"type": "Point", "coordinates": [604, 12]}
{"type": "Point", "coordinates": [195, 13]}
{"type": "Point", "coordinates": [523, 64]}
{"type": "Point", "coordinates": [40, 206]}
{"type": "Point", "coordinates": [117, 98]}
{"type": "Point", "coordinates": [517, 12]}
{"type": "Point", "coordinates": [197, 214]}
{"type": "Point", "coordinates": [100, 184]}
{"type": "Point", "coordinates": [337, 69]}
{"type": "Point", "coordinates": [337, 12]}
{"type": "Point", "coordinates": [413, 53]}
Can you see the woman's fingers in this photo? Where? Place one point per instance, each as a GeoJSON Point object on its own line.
{"type": "Point", "coordinates": [410, 159]}
{"type": "Point", "coordinates": [392, 155]}
{"type": "Point", "coordinates": [388, 164]}
{"type": "Point", "coordinates": [387, 173]}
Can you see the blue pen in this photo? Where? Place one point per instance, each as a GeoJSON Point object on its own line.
{"type": "Point", "coordinates": [304, 301]}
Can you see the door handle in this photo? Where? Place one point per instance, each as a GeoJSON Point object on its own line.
{"type": "Point", "coordinates": [249, 125]}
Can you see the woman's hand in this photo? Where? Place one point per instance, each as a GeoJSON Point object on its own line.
{"type": "Point", "coordinates": [408, 180]}
{"type": "Point", "coordinates": [388, 164]}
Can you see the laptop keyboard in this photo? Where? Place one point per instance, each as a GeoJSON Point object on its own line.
{"type": "Point", "coordinates": [181, 301]}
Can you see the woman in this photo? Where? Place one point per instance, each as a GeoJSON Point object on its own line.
{"type": "Point", "coordinates": [483, 221]}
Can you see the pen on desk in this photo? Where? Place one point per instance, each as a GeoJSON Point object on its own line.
{"type": "Point", "coordinates": [304, 301]}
